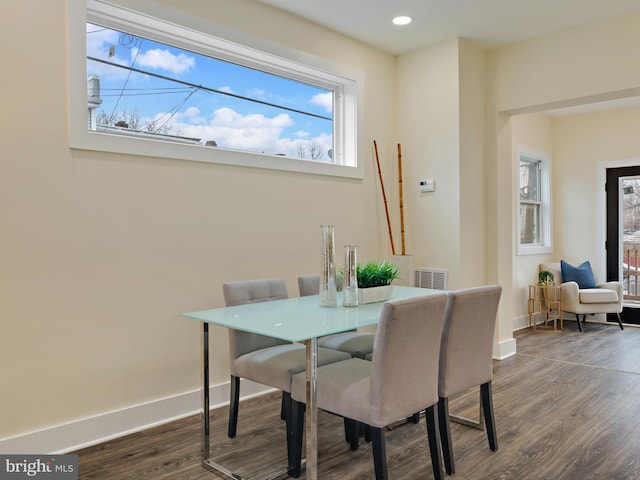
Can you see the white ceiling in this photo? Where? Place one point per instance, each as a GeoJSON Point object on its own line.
{"type": "Point", "coordinates": [488, 23]}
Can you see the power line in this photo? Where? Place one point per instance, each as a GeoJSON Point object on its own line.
{"type": "Point", "coordinates": [208, 89]}
{"type": "Point", "coordinates": [147, 89]}
{"type": "Point", "coordinates": [142, 94]}
{"type": "Point", "coordinates": [139, 43]}
{"type": "Point", "coordinates": [173, 111]}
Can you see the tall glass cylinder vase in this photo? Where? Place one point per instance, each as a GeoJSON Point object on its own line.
{"type": "Point", "coordinates": [328, 267]}
{"type": "Point", "coordinates": [350, 278]}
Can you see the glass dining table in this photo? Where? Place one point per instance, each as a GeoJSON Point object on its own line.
{"type": "Point", "coordinates": [299, 319]}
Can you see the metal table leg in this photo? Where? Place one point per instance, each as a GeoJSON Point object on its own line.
{"type": "Point", "coordinates": [207, 462]}
{"type": "Point", "coordinates": [204, 412]}
{"type": "Point", "coordinates": [312, 409]}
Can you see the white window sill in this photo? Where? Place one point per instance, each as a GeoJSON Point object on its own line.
{"type": "Point", "coordinates": [534, 249]}
{"type": "Point", "coordinates": [104, 142]}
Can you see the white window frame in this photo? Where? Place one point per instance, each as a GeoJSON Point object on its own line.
{"type": "Point", "coordinates": [545, 245]}
{"type": "Point", "coordinates": [166, 25]}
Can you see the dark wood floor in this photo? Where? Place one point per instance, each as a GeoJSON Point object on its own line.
{"type": "Point", "coordinates": [567, 407]}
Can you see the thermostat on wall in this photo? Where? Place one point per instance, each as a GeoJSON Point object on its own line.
{"type": "Point", "coordinates": [428, 185]}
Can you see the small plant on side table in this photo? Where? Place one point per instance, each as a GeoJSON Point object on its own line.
{"type": "Point", "coordinates": [546, 279]}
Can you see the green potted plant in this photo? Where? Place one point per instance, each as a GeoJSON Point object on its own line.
{"type": "Point", "coordinates": [374, 281]}
{"type": "Point", "coordinates": [546, 279]}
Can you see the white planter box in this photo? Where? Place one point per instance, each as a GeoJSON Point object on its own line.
{"type": "Point", "coordinates": [374, 294]}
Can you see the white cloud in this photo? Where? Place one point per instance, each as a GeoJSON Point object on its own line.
{"type": "Point", "coordinates": [163, 60]}
{"type": "Point", "coordinates": [254, 133]}
{"type": "Point", "coordinates": [324, 100]}
{"type": "Point", "coordinates": [226, 89]}
{"type": "Point", "coordinates": [191, 115]}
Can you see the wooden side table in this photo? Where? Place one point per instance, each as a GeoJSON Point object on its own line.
{"type": "Point", "coordinates": [545, 307]}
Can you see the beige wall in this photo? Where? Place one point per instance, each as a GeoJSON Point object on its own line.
{"type": "Point", "coordinates": [585, 145]}
{"type": "Point", "coordinates": [533, 133]}
{"type": "Point", "coordinates": [427, 91]}
{"type": "Point", "coordinates": [473, 169]}
{"type": "Point", "coordinates": [101, 253]}
{"type": "Point", "coordinates": [576, 66]}
{"type": "Point", "coordinates": [440, 104]}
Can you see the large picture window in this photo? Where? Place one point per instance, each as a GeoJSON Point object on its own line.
{"type": "Point", "coordinates": [157, 88]}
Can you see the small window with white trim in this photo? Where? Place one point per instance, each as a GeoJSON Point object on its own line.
{"type": "Point", "coordinates": [157, 88]}
{"type": "Point", "coordinates": [534, 209]}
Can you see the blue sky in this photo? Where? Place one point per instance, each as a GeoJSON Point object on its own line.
{"type": "Point", "coordinates": [231, 122]}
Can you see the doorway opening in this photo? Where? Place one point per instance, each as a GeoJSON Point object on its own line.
{"type": "Point", "coordinates": [623, 237]}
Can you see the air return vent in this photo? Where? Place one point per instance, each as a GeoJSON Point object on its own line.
{"type": "Point", "coordinates": [431, 278]}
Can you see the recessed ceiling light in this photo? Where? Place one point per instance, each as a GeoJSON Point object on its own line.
{"type": "Point", "coordinates": [402, 20]}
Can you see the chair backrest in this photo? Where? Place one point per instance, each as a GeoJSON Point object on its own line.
{"type": "Point", "coordinates": [466, 354]}
{"type": "Point", "coordinates": [309, 285]}
{"type": "Point", "coordinates": [252, 291]}
{"type": "Point", "coordinates": [404, 369]}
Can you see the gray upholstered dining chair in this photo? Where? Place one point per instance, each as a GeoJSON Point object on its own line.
{"type": "Point", "coordinates": [264, 359]}
{"type": "Point", "coordinates": [466, 358]}
{"type": "Point", "coordinates": [401, 379]}
{"type": "Point", "coordinates": [357, 344]}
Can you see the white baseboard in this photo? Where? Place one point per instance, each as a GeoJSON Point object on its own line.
{"type": "Point", "coordinates": [519, 323]}
{"type": "Point", "coordinates": [102, 427]}
{"type": "Point", "coordinates": [504, 349]}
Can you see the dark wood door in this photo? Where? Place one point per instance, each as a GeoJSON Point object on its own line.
{"type": "Point", "coordinates": [629, 315]}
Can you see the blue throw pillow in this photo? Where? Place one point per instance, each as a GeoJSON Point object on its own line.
{"type": "Point", "coordinates": [582, 275]}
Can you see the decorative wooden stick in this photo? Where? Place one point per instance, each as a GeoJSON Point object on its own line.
{"type": "Point", "coordinates": [401, 198]}
{"type": "Point", "coordinates": [384, 197]}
